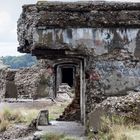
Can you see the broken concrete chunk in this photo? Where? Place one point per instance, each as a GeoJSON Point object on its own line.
{"type": "Point", "coordinates": [43, 118]}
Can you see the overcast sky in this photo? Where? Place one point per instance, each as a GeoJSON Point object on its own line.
{"type": "Point", "coordinates": [9, 13]}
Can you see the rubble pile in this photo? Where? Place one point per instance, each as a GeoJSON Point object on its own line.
{"type": "Point", "coordinates": [33, 82]}
{"type": "Point", "coordinates": [72, 111]}
{"type": "Point", "coordinates": [64, 93]}
{"type": "Point", "coordinates": [127, 106]}
{"type": "Point", "coordinates": [16, 131]}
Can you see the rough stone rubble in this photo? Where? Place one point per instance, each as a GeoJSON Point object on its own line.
{"type": "Point", "coordinates": [127, 106]}
{"type": "Point", "coordinates": [27, 83]}
{"type": "Point", "coordinates": [34, 82]}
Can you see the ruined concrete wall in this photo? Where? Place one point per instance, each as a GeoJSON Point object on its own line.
{"type": "Point", "coordinates": [114, 68]}
{"type": "Point", "coordinates": [2, 84]}
{"type": "Point", "coordinates": [11, 89]}
{"type": "Point", "coordinates": [7, 84]}
{"type": "Point", "coordinates": [35, 82]}
{"type": "Point", "coordinates": [112, 74]}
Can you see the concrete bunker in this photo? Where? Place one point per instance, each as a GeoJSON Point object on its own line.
{"type": "Point", "coordinates": [97, 40]}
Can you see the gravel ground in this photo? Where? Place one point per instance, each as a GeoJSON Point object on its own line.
{"type": "Point", "coordinates": [72, 129]}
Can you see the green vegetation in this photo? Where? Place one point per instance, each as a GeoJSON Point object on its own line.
{"type": "Point", "coordinates": [56, 110]}
{"type": "Point", "coordinates": [16, 62]}
{"type": "Point", "coordinates": [117, 128]}
{"type": "Point", "coordinates": [52, 136]}
{"type": "Point", "coordinates": [9, 117]}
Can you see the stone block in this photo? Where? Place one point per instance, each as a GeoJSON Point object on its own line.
{"type": "Point", "coordinates": [43, 118]}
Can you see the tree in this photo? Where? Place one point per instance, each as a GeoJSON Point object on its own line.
{"type": "Point", "coordinates": [16, 62]}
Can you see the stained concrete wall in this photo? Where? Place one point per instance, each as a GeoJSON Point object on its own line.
{"type": "Point", "coordinates": [118, 70]}
{"type": "Point", "coordinates": [96, 41]}
{"type": "Point", "coordinates": [112, 54]}
{"type": "Point", "coordinates": [70, 16]}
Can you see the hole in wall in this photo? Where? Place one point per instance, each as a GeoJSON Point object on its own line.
{"type": "Point", "coordinates": [67, 76]}
{"type": "Point", "coordinates": [67, 83]}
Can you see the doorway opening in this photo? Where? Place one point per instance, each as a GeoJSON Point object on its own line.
{"type": "Point", "coordinates": [69, 81]}
{"type": "Point", "coordinates": [68, 85]}
{"type": "Point", "coordinates": [67, 76]}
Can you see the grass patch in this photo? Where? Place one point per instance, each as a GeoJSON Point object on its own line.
{"type": "Point", "coordinates": [56, 110]}
{"type": "Point", "coordinates": [117, 128]}
{"type": "Point", "coordinates": [53, 136]}
{"type": "Point", "coordinates": [9, 116]}
{"type": "Point", "coordinates": [4, 125]}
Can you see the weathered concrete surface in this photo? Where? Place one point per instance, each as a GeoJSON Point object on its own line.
{"type": "Point", "coordinates": [63, 17]}
{"type": "Point", "coordinates": [72, 129]}
{"type": "Point", "coordinates": [43, 118]}
{"type": "Point", "coordinates": [7, 83]}
{"type": "Point", "coordinates": [88, 41]}
{"type": "Point", "coordinates": [3, 69]}
{"type": "Point", "coordinates": [2, 83]}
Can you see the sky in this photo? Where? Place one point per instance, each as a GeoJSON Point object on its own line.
{"type": "Point", "coordinates": [10, 11]}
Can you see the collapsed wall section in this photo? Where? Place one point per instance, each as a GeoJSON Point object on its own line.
{"type": "Point", "coordinates": [7, 84]}
{"type": "Point", "coordinates": [2, 84]}
{"type": "Point", "coordinates": [35, 82]}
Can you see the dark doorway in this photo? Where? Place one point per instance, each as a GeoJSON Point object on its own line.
{"type": "Point", "coordinates": [67, 76]}
{"type": "Point", "coordinates": [11, 90]}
